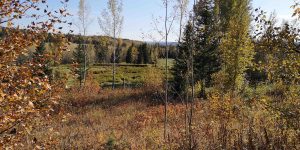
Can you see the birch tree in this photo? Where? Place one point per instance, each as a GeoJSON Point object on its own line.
{"type": "Point", "coordinates": [168, 24]}
{"type": "Point", "coordinates": [192, 80]}
{"type": "Point", "coordinates": [84, 22]}
{"type": "Point", "coordinates": [111, 21]}
{"type": "Point", "coordinates": [182, 7]}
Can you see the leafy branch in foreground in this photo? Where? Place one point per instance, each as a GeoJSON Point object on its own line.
{"type": "Point", "coordinates": [25, 91]}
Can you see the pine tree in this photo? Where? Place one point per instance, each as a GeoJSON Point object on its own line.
{"type": "Point", "coordinates": [236, 46]}
{"type": "Point", "coordinates": [207, 59]}
{"type": "Point", "coordinates": [182, 61]}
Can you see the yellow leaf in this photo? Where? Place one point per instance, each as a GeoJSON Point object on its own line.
{"type": "Point", "coordinates": [30, 104]}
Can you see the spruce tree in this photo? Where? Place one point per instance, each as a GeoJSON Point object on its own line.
{"type": "Point", "coordinates": [79, 56]}
{"type": "Point", "coordinates": [142, 54]}
{"type": "Point", "coordinates": [118, 53]}
{"type": "Point", "coordinates": [182, 61]}
{"type": "Point", "coordinates": [207, 59]}
{"type": "Point", "coordinates": [1, 33]}
{"type": "Point", "coordinates": [147, 54]}
{"type": "Point", "coordinates": [101, 50]}
{"type": "Point", "coordinates": [140, 58]}
{"type": "Point", "coordinates": [40, 57]}
{"type": "Point", "coordinates": [129, 55]}
{"type": "Point", "coordinates": [155, 53]}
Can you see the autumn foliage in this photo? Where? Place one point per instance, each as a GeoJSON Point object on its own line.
{"type": "Point", "coordinates": [25, 90]}
{"type": "Point", "coordinates": [250, 100]}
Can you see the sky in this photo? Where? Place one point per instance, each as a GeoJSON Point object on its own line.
{"type": "Point", "coordinates": [139, 16]}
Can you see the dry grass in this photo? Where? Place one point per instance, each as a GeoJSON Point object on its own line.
{"type": "Point", "coordinates": [133, 119]}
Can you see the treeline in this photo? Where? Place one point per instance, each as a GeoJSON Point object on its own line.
{"type": "Point", "coordinates": [221, 50]}
{"type": "Point", "coordinates": [100, 50]}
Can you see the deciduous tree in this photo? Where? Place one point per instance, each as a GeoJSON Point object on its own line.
{"type": "Point", "coordinates": [111, 22]}
{"type": "Point", "coordinates": [236, 46]}
{"type": "Point", "coordinates": [84, 21]}
{"type": "Point", "coordinates": [23, 95]}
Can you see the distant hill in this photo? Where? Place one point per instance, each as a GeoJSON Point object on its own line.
{"type": "Point", "coordinates": [164, 44]}
{"type": "Point", "coordinates": [123, 45]}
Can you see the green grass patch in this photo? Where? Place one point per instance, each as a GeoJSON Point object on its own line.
{"type": "Point", "coordinates": [132, 74]}
{"type": "Point", "coordinates": [161, 63]}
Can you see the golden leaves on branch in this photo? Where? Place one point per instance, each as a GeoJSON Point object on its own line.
{"type": "Point", "coordinates": [24, 92]}
{"type": "Point", "coordinates": [296, 9]}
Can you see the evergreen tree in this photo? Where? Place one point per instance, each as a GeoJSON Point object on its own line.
{"type": "Point", "coordinates": [155, 53]}
{"type": "Point", "coordinates": [40, 57]}
{"type": "Point", "coordinates": [1, 33]}
{"type": "Point", "coordinates": [142, 54]}
{"type": "Point", "coordinates": [118, 52]}
{"type": "Point", "coordinates": [102, 50]}
{"type": "Point", "coordinates": [236, 46]}
{"type": "Point", "coordinates": [112, 56]}
{"type": "Point", "coordinates": [79, 56]}
{"type": "Point", "coordinates": [182, 61]}
{"type": "Point", "coordinates": [224, 8]}
{"type": "Point", "coordinates": [129, 55]}
{"type": "Point", "coordinates": [140, 58]}
{"type": "Point", "coordinates": [207, 59]}
{"type": "Point", "coordinates": [39, 53]}
{"type": "Point", "coordinates": [147, 54]}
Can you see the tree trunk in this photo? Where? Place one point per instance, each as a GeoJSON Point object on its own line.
{"type": "Point", "coordinates": [202, 92]}
{"type": "Point", "coordinates": [114, 58]}
{"type": "Point", "coordinates": [193, 86]}
{"type": "Point", "coordinates": [166, 72]}
{"type": "Point", "coordinates": [84, 50]}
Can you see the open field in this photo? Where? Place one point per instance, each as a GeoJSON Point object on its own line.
{"type": "Point", "coordinates": [133, 119]}
{"type": "Point", "coordinates": [131, 74]}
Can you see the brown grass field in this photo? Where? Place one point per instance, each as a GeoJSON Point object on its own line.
{"type": "Point", "coordinates": [134, 119]}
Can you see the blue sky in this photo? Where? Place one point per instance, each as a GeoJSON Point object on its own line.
{"type": "Point", "coordinates": [139, 14]}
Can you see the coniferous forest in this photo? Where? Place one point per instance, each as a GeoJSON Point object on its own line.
{"type": "Point", "coordinates": [209, 74]}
